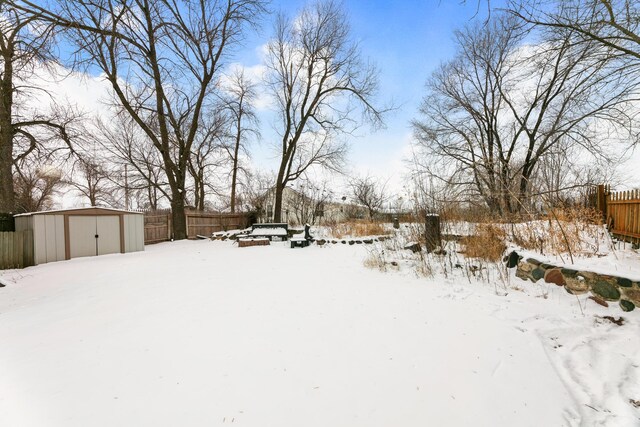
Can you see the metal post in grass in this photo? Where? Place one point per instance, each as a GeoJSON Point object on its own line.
{"type": "Point", "coordinates": [432, 232]}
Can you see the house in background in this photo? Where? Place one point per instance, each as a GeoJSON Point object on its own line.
{"type": "Point", "coordinates": [316, 208]}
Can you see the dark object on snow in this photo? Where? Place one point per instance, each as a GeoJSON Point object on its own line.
{"type": "Point", "coordinates": [512, 259]}
{"type": "Point", "coordinates": [619, 321]}
{"type": "Point", "coordinates": [432, 232]}
{"type": "Point", "coordinates": [396, 222]}
{"type": "Point", "coordinates": [413, 247]}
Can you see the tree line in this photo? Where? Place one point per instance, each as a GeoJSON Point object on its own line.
{"type": "Point", "coordinates": [532, 91]}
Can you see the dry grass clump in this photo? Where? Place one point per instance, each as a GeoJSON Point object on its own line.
{"type": "Point", "coordinates": [357, 229]}
{"type": "Point", "coordinates": [576, 230]}
{"type": "Point", "coordinates": [488, 243]}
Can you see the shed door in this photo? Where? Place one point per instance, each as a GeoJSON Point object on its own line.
{"type": "Point", "coordinates": [94, 235]}
{"type": "Point", "coordinates": [108, 230]}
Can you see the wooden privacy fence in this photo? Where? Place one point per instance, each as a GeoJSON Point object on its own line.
{"type": "Point", "coordinates": [157, 225]}
{"type": "Point", "coordinates": [620, 211]}
{"type": "Point", "coordinates": [16, 249]}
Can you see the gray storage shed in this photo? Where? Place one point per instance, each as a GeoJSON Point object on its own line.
{"type": "Point", "coordinates": [71, 233]}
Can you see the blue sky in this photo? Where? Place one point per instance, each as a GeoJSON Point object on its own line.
{"type": "Point", "coordinates": [406, 40]}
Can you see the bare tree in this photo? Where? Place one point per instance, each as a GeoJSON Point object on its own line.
{"type": "Point", "coordinates": [206, 159]}
{"type": "Point", "coordinates": [141, 169]}
{"type": "Point", "coordinates": [239, 106]}
{"type": "Point", "coordinates": [25, 47]}
{"type": "Point", "coordinates": [499, 107]}
{"type": "Point", "coordinates": [614, 24]}
{"type": "Point", "coordinates": [35, 184]}
{"type": "Point", "coordinates": [318, 80]}
{"type": "Point", "coordinates": [162, 59]}
{"type": "Point", "coordinates": [369, 192]}
{"type": "Point", "coordinates": [92, 181]}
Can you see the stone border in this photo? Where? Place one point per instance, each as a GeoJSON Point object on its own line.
{"type": "Point", "coordinates": [602, 287]}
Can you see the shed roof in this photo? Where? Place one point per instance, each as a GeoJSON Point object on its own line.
{"type": "Point", "coordinates": [82, 211]}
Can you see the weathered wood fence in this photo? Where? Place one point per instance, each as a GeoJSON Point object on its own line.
{"type": "Point", "coordinates": [620, 211]}
{"type": "Point", "coordinates": [157, 225]}
{"type": "Point", "coordinates": [16, 249]}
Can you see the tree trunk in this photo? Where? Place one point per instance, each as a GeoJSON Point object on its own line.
{"type": "Point", "coordinates": [277, 208]}
{"type": "Point", "coordinates": [178, 219]}
{"type": "Point", "coordinates": [7, 197]}
{"type": "Point", "coordinates": [234, 175]}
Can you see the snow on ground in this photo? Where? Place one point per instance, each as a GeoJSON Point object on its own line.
{"type": "Point", "coordinates": [203, 333]}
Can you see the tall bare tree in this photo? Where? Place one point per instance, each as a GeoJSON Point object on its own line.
{"type": "Point", "coordinates": [501, 106]}
{"type": "Point", "coordinates": [611, 23]}
{"type": "Point", "coordinates": [25, 48]}
{"type": "Point", "coordinates": [319, 81]}
{"type": "Point", "coordinates": [93, 182]}
{"type": "Point", "coordinates": [243, 122]}
{"type": "Point", "coordinates": [162, 59]}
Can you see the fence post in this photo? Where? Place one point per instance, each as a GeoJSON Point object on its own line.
{"type": "Point", "coordinates": [432, 232]}
{"type": "Point", "coordinates": [601, 202]}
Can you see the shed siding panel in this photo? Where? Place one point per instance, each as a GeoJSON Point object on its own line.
{"type": "Point", "coordinates": [39, 239]}
{"type": "Point", "coordinates": [60, 244]}
{"type": "Point", "coordinates": [128, 241]}
{"type": "Point", "coordinates": [50, 237]}
{"type": "Point", "coordinates": [133, 233]}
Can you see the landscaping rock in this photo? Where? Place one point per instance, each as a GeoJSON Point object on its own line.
{"type": "Point", "coordinates": [567, 272]}
{"type": "Point", "coordinates": [554, 276]}
{"type": "Point", "coordinates": [368, 241]}
{"type": "Point", "coordinates": [321, 242]}
{"type": "Point", "coordinates": [351, 242]}
{"type": "Point", "coordinates": [537, 274]}
{"type": "Point", "coordinates": [633, 295]}
{"type": "Point", "coordinates": [605, 290]}
{"type": "Point", "coordinates": [521, 274]}
{"type": "Point", "coordinates": [599, 300]}
{"type": "Point", "coordinates": [627, 305]}
{"type": "Point", "coordinates": [625, 283]}
{"type": "Point", "coordinates": [576, 286]}
{"type": "Point", "coordinates": [533, 261]}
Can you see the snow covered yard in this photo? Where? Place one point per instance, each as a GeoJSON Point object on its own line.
{"type": "Point", "coordinates": [205, 333]}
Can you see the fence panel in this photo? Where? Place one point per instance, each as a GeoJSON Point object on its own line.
{"type": "Point", "coordinates": [157, 225]}
{"type": "Point", "coordinates": [623, 215]}
{"type": "Point", "coordinates": [204, 224]}
{"type": "Point", "coordinates": [16, 249]}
